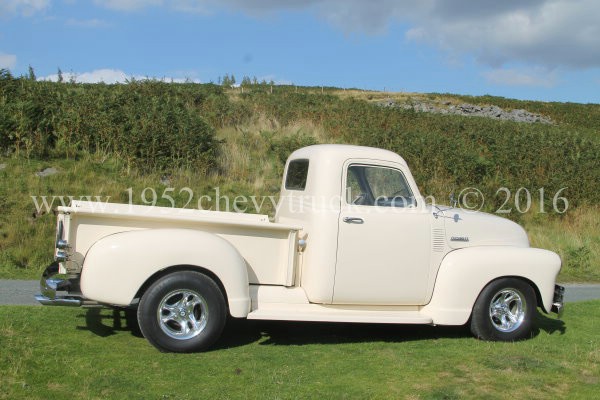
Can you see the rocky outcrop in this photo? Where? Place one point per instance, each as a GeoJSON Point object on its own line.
{"type": "Point", "coordinates": [470, 110]}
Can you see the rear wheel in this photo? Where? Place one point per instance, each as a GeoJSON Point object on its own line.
{"type": "Point", "coordinates": [504, 311]}
{"type": "Point", "coordinates": [182, 312]}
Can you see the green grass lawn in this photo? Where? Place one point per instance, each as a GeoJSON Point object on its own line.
{"type": "Point", "coordinates": [59, 353]}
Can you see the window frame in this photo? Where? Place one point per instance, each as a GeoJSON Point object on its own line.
{"type": "Point", "coordinates": [394, 167]}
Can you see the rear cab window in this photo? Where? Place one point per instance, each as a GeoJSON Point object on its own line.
{"type": "Point", "coordinates": [297, 174]}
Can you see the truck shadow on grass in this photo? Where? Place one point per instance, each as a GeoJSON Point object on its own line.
{"type": "Point", "coordinates": [286, 333]}
{"type": "Point", "coordinates": [241, 332]}
{"type": "Point", "coordinates": [105, 322]}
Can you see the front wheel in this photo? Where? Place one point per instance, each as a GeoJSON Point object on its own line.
{"type": "Point", "coordinates": [182, 312]}
{"type": "Point", "coordinates": [504, 311]}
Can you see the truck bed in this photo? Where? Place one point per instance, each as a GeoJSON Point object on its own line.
{"type": "Point", "coordinates": [268, 248]}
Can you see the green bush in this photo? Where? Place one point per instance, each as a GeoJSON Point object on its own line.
{"type": "Point", "coordinates": [150, 124]}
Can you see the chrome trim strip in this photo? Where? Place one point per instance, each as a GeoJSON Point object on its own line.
{"type": "Point", "coordinates": [58, 301]}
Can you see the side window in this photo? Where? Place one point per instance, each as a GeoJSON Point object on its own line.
{"type": "Point", "coordinates": [353, 191]}
{"type": "Point", "coordinates": [296, 175]}
{"type": "Point", "coordinates": [377, 186]}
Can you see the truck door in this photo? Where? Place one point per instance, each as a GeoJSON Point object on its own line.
{"type": "Point", "coordinates": [383, 250]}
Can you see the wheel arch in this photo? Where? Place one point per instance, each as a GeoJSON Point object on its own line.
{"type": "Point", "coordinates": [521, 278]}
{"type": "Point", "coordinates": [181, 268]}
{"type": "Point", "coordinates": [536, 290]}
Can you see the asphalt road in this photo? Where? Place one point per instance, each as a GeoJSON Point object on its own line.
{"type": "Point", "coordinates": [20, 292]}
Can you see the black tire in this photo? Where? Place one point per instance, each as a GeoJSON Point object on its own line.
{"type": "Point", "coordinates": [504, 311]}
{"type": "Point", "coordinates": [182, 312]}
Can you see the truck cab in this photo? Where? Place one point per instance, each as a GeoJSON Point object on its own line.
{"type": "Point", "coordinates": [367, 224]}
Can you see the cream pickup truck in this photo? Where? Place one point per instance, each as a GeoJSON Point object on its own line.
{"type": "Point", "coordinates": [352, 241]}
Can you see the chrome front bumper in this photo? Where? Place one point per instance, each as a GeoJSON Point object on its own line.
{"type": "Point", "coordinates": [50, 285]}
{"type": "Point", "coordinates": [558, 306]}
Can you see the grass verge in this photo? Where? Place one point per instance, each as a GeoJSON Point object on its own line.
{"type": "Point", "coordinates": [54, 353]}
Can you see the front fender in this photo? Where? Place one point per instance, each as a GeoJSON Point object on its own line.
{"type": "Point", "coordinates": [464, 273]}
{"type": "Point", "coordinates": [116, 266]}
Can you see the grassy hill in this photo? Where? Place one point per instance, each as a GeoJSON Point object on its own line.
{"type": "Point", "coordinates": [129, 142]}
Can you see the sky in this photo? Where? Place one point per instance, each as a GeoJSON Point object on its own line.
{"type": "Point", "coordinates": [546, 50]}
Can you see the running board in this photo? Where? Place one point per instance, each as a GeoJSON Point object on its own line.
{"type": "Point", "coordinates": [323, 313]}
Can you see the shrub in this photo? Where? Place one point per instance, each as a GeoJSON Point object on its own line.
{"type": "Point", "coordinates": [150, 124]}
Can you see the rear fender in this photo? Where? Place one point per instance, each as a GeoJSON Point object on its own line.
{"type": "Point", "coordinates": [116, 266]}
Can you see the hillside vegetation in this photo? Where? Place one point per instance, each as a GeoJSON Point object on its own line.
{"type": "Point", "coordinates": [116, 140]}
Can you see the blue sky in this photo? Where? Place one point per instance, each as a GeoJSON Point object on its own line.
{"type": "Point", "coordinates": [529, 49]}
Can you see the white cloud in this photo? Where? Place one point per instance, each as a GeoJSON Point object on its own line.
{"type": "Point", "coordinates": [274, 79]}
{"type": "Point", "coordinates": [110, 76]}
{"type": "Point", "coordinates": [8, 61]}
{"type": "Point", "coordinates": [550, 33]}
{"type": "Point", "coordinates": [99, 75]}
{"type": "Point", "coordinates": [523, 77]}
{"type": "Point", "coordinates": [22, 7]}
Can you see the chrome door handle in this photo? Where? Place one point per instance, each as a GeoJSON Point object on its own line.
{"type": "Point", "coordinates": [353, 220]}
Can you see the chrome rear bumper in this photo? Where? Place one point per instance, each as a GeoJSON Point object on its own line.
{"type": "Point", "coordinates": [558, 306]}
{"type": "Point", "coordinates": [50, 285]}
{"type": "Point", "coordinates": [60, 301]}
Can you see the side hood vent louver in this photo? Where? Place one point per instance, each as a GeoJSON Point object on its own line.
{"type": "Point", "coordinates": [438, 239]}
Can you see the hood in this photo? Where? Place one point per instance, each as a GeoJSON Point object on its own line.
{"type": "Point", "coordinates": [473, 228]}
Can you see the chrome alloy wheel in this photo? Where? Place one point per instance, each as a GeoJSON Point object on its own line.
{"type": "Point", "coordinates": [507, 310]}
{"type": "Point", "coordinates": [182, 314]}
